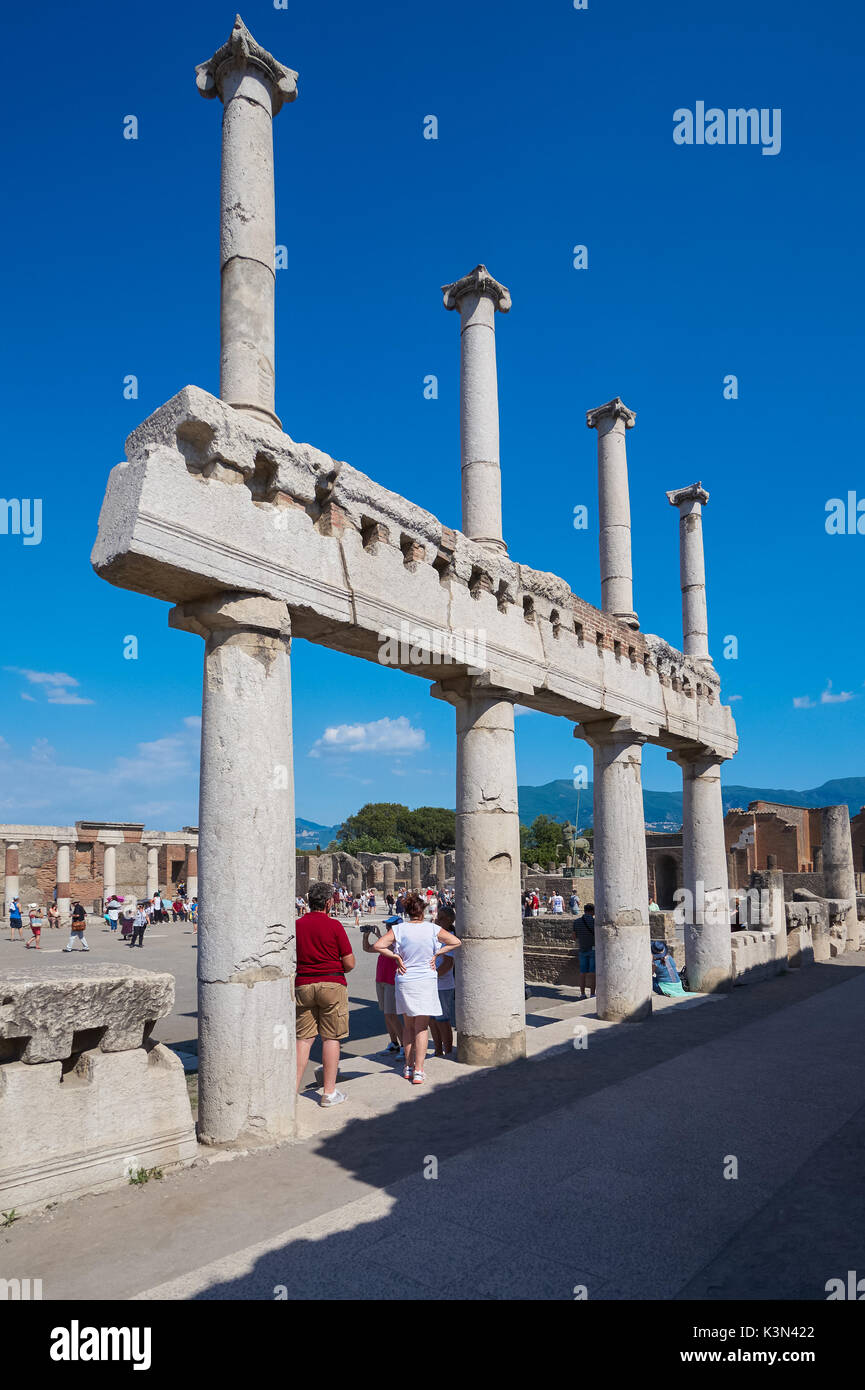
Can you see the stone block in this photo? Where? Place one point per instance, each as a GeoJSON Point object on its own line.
{"type": "Point", "coordinates": [64, 1132]}
{"type": "Point", "coordinates": [112, 1007]}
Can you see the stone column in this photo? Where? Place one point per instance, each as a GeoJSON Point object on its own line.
{"type": "Point", "coordinates": [152, 869]}
{"type": "Point", "coordinates": [246, 954]}
{"type": "Point", "coordinates": [388, 876]}
{"type": "Point", "coordinates": [692, 567]}
{"type": "Point", "coordinates": [252, 87]}
{"type": "Point", "coordinates": [838, 874]}
{"type": "Point", "coordinates": [109, 873]}
{"type": "Point", "coordinates": [477, 296]}
{"type": "Point", "coordinates": [64, 905]}
{"type": "Point", "coordinates": [614, 509]}
{"type": "Point", "coordinates": [11, 887]}
{"type": "Point", "coordinates": [415, 873]}
{"type": "Point", "coordinates": [708, 949]}
{"type": "Point", "coordinates": [192, 872]}
{"type": "Point", "coordinates": [490, 1004]}
{"type": "Point", "coordinates": [623, 952]}
{"type": "Point", "coordinates": [440, 869]}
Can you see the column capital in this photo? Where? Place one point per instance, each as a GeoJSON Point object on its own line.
{"type": "Point", "coordinates": [623, 730]}
{"type": "Point", "coordinates": [478, 281]}
{"type": "Point", "coordinates": [486, 686]}
{"type": "Point", "coordinates": [613, 410]}
{"type": "Point", "coordinates": [242, 52]}
{"type": "Point", "coordinates": [699, 757]}
{"type": "Point", "coordinates": [232, 611]}
{"type": "Point", "coordinates": [695, 493]}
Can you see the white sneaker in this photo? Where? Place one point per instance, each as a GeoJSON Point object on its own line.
{"type": "Point", "coordinates": [335, 1098]}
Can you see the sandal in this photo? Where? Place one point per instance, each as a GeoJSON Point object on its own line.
{"type": "Point", "coordinates": [418, 1078]}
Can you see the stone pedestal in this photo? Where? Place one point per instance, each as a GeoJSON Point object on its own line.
{"type": "Point", "coordinates": [692, 567]}
{"type": "Point", "coordinates": [252, 86]}
{"type": "Point", "coordinates": [838, 874]}
{"type": "Point", "coordinates": [246, 953]}
{"type": "Point", "coordinates": [109, 873]}
{"type": "Point", "coordinates": [478, 296]}
{"type": "Point", "coordinates": [622, 942]}
{"type": "Point", "coordinates": [85, 1097]}
{"type": "Point", "coordinates": [11, 887]}
{"type": "Point", "coordinates": [191, 873]}
{"type": "Point", "coordinates": [64, 905]}
{"type": "Point", "coordinates": [152, 870]}
{"type": "Point", "coordinates": [708, 951]}
{"type": "Point", "coordinates": [490, 998]}
{"type": "Point", "coordinates": [440, 869]}
{"type": "Point", "coordinates": [614, 509]}
{"type": "Point", "coordinates": [388, 876]}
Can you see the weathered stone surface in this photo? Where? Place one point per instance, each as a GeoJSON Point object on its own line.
{"type": "Point", "coordinates": [67, 1132]}
{"type": "Point", "coordinates": [41, 1010]}
{"type": "Point", "coordinates": [213, 499]}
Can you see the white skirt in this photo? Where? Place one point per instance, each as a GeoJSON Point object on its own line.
{"type": "Point", "coordinates": [418, 995]}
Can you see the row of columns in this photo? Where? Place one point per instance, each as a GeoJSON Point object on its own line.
{"type": "Point", "coordinates": [246, 960]}
{"type": "Point", "coordinates": [109, 873]}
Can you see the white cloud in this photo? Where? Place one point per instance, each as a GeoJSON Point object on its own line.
{"type": "Point", "coordinates": [524, 709]}
{"type": "Point", "coordinates": [731, 699]}
{"type": "Point", "coordinates": [827, 698]}
{"type": "Point", "coordinates": [58, 685]}
{"type": "Point", "coordinates": [377, 736]}
{"type": "Point", "coordinates": [803, 702]}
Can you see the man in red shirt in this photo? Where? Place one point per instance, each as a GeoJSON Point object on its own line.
{"type": "Point", "coordinates": [324, 955]}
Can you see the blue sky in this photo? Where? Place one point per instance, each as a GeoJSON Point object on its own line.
{"type": "Point", "coordinates": [555, 129]}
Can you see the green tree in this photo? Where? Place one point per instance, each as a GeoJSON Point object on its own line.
{"type": "Point", "coordinates": [429, 828]}
{"type": "Point", "coordinates": [543, 842]}
{"type": "Point", "coordinates": [376, 821]}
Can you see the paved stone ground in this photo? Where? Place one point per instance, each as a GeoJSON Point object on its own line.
{"type": "Point", "coordinates": [600, 1165]}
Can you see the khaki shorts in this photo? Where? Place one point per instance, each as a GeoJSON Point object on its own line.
{"type": "Point", "coordinates": [321, 1008]}
{"type": "Point", "coordinates": [386, 995]}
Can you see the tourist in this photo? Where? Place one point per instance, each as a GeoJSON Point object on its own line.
{"type": "Point", "coordinates": [415, 945]}
{"type": "Point", "coordinates": [178, 910]}
{"type": "Point", "coordinates": [77, 926]}
{"type": "Point", "coordinates": [536, 905]}
{"type": "Point", "coordinates": [140, 922]}
{"type": "Point", "coordinates": [15, 921]}
{"type": "Point", "coordinates": [54, 916]}
{"type": "Point", "coordinates": [574, 903]}
{"type": "Point", "coordinates": [356, 909]}
{"type": "Point", "coordinates": [390, 900]}
{"type": "Point", "coordinates": [665, 976]}
{"type": "Point", "coordinates": [36, 925]}
{"type": "Point", "coordinates": [324, 957]}
{"type": "Point", "coordinates": [156, 906]}
{"type": "Point", "coordinates": [385, 977]}
{"type": "Point", "coordinates": [126, 919]}
{"type": "Point", "coordinates": [584, 931]}
{"type": "Point", "coordinates": [193, 914]}
{"type": "Point", "coordinates": [113, 912]}
{"type": "Point", "coordinates": [557, 903]}
{"type": "Point", "coordinates": [443, 1026]}
{"type": "Point", "coordinates": [653, 906]}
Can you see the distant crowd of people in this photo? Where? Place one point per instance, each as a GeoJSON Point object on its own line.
{"type": "Point", "coordinates": [128, 916]}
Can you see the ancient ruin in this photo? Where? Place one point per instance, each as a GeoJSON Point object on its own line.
{"type": "Point", "coordinates": [254, 539]}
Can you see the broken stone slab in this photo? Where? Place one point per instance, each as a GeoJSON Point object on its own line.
{"type": "Point", "coordinates": [46, 1010]}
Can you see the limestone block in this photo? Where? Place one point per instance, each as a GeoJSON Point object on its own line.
{"type": "Point", "coordinates": [550, 951]}
{"type": "Point", "coordinates": [64, 1133]}
{"type": "Point", "coordinates": [43, 1009]}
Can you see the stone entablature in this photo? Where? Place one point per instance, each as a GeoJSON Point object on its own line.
{"type": "Point", "coordinates": [309, 530]}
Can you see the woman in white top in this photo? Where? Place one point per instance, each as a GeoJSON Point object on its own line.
{"type": "Point", "coordinates": [415, 945]}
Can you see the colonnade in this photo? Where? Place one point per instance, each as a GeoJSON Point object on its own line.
{"type": "Point", "coordinates": [246, 960]}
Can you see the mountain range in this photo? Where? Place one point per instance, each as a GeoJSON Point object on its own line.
{"type": "Point", "coordinates": [662, 810]}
